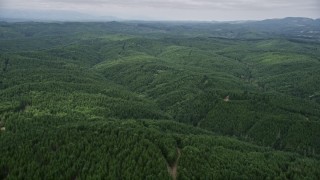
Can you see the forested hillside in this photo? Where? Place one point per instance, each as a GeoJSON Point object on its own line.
{"type": "Point", "coordinates": [160, 100]}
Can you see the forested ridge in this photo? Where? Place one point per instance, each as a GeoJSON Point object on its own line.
{"type": "Point", "coordinates": [139, 100]}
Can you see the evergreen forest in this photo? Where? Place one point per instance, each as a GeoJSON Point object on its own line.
{"type": "Point", "coordinates": [160, 100]}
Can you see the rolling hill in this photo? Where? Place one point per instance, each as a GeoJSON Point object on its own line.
{"type": "Point", "coordinates": [148, 100]}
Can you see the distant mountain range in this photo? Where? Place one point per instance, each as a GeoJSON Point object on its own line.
{"type": "Point", "coordinates": [11, 15]}
{"type": "Point", "coordinates": [297, 27]}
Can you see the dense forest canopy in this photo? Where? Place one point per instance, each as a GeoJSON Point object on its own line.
{"type": "Point", "coordinates": [160, 100]}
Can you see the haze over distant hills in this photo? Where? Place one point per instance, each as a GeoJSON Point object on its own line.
{"type": "Point", "coordinates": [290, 26]}
{"type": "Point", "coordinates": [11, 15]}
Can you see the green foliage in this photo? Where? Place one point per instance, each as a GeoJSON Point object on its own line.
{"type": "Point", "coordinates": [136, 100]}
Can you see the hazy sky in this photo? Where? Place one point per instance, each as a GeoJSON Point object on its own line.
{"type": "Point", "coordinates": [177, 9]}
